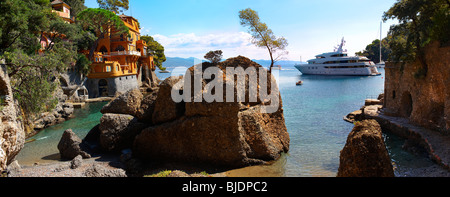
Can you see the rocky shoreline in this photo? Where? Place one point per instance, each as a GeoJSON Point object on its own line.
{"type": "Point", "coordinates": [419, 140]}
{"type": "Point", "coordinates": [145, 126]}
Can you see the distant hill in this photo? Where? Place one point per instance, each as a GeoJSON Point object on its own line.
{"type": "Point", "coordinates": [178, 61]}
{"type": "Point", "coordinates": [188, 62]}
{"type": "Point", "coordinates": [283, 63]}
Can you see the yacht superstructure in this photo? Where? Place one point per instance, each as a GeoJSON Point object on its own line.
{"type": "Point", "coordinates": [338, 63]}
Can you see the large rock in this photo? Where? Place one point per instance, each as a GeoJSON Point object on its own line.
{"type": "Point", "coordinates": [231, 134]}
{"type": "Point", "coordinates": [365, 154]}
{"type": "Point", "coordinates": [147, 108]}
{"type": "Point", "coordinates": [69, 146]}
{"type": "Point", "coordinates": [165, 108]}
{"type": "Point", "coordinates": [117, 131]}
{"type": "Point", "coordinates": [12, 135]}
{"type": "Point", "coordinates": [127, 103]}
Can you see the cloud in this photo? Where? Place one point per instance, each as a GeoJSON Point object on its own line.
{"type": "Point", "coordinates": [192, 45]}
{"type": "Point", "coordinates": [146, 30]}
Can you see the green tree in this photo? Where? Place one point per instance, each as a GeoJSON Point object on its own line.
{"type": "Point", "coordinates": [420, 22]}
{"type": "Point", "coordinates": [60, 30]}
{"type": "Point", "coordinates": [21, 21]}
{"type": "Point", "coordinates": [113, 5]}
{"type": "Point", "coordinates": [263, 36]}
{"type": "Point", "coordinates": [33, 75]}
{"type": "Point", "coordinates": [372, 51]}
{"type": "Point", "coordinates": [156, 49]}
{"type": "Point", "coordinates": [76, 6]}
{"type": "Point", "coordinates": [214, 56]}
{"type": "Point", "coordinates": [100, 21]}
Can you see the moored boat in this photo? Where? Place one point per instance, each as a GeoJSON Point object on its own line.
{"type": "Point", "coordinates": [338, 63]}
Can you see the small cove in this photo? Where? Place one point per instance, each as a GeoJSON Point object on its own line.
{"type": "Point", "coordinates": [44, 148]}
{"type": "Point", "coordinates": [313, 114]}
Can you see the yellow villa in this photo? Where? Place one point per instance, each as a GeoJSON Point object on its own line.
{"type": "Point", "coordinates": [119, 62]}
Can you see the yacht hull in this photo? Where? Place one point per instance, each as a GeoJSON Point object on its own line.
{"type": "Point", "coordinates": [352, 70]}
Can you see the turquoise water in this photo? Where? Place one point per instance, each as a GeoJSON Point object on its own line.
{"type": "Point", "coordinates": [44, 149]}
{"type": "Point", "coordinates": [313, 114]}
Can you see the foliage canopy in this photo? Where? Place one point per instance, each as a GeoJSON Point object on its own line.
{"type": "Point", "coordinates": [156, 49]}
{"type": "Point", "coordinates": [100, 21]}
{"type": "Point", "coordinates": [113, 5]}
{"type": "Point", "coordinates": [214, 56]}
{"type": "Point", "coordinates": [263, 36]}
{"type": "Point", "coordinates": [420, 22]}
{"type": "Point", "coordinates": [372, 50]}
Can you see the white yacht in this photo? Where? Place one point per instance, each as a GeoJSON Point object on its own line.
{"type": "Point", "coordinates": [338, 63]}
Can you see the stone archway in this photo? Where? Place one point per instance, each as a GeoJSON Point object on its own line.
{"type": "Point", "coordinates": [406, 104]}
{"type": "Point", "coordinates": [103, 88]}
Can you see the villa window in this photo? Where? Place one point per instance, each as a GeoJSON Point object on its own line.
{"type": "Point", "coordinates": [108, 68]}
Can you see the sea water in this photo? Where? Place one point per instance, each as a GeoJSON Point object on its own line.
{"type": "Point", "coordinates": [43, 147]}
{"type": "Point", "coordinates": [313, 113]}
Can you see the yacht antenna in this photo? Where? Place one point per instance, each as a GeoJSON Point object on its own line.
{"type": "Point", "coordinates": [381, 26]}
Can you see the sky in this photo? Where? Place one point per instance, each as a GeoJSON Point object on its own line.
{"type": "Point", "coordinates": [191, 28]}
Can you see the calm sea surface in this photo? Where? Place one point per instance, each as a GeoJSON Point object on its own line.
{"type": "Point", "coordinates": [313, 114]}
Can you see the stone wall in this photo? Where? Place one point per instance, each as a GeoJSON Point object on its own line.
{"type": "Point", "coordinates": [425, 101]}
{"type": "Point", "coordinates": [113, 86]}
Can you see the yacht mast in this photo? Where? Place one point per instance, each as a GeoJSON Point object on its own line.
{"type": "Point", "coordinates": [381, 26]}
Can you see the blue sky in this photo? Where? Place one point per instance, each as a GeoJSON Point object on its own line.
{"type": "Point", "coordinates": [191, 28]}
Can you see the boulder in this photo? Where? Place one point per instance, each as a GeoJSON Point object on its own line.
{"type": "Point", "coordinates": [117, 131]}
{"type": "Point", "coordinates": [371, 111]}
{"type": "Point", "coordinates": [365, 154]}
{"type": "Point", "coordinates": [69, 146]}
{"type": "Point", "coordinates": [127, 103]}
{"type": "Point", "coordinates": [67, 110]}
{"type": "Point", "coordinates": [76, 162]}
{"type": "Point", "coordinates": [232, 134]}
{"type": "Point", "coordinates": [165, 108]}
{"type": "Point", "coordinates": [147, 108]}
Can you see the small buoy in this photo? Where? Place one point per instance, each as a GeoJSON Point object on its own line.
{"type": "Point", "coordinates": [299, 83]}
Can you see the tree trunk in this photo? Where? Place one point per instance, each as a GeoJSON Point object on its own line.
{"type": "Point", "coordinates": [272, 62]}
{"type": "Point", "coordinates": [91, 51]}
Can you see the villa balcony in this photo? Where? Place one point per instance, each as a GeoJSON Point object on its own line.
{"type": "Point", "coordinates": [136, 53]}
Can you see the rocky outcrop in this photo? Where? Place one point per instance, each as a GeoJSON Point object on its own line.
{"type": "Point", "coordinates": [127, 103]}
{"type": "Point", "coordinates": [69, 146]}
{"type": "Point", "coordinates": [166, 109]}
{"type": "Point", "coordinates": [62, 112]}
{"type": "Point", "coordinates": [117, 131]}
{"type": "Point", "coordinates": [229, 134]}
{"type": "Point", "coordinates": [221, 133]}
{"type": "Point", "coordinates": [12, 135]}
{"type": "Point", "coordinates": [365, 154]}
